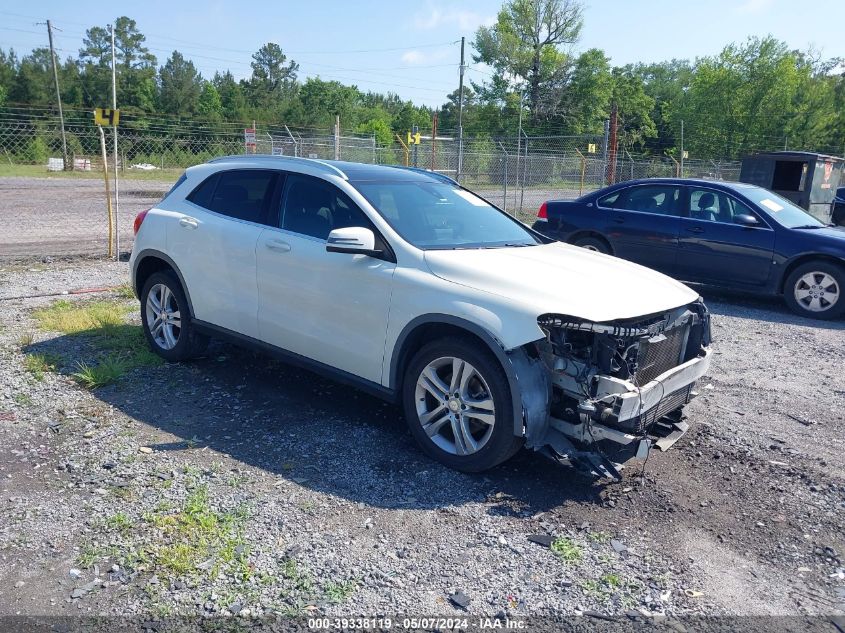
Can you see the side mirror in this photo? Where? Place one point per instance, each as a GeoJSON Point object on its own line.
{"type": "Point", "coordinates": [353, 240]}
{"type": "Point", "coordinates": [746, 219]}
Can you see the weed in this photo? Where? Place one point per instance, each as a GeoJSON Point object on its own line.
{"type": "Point", "coordinates": [613, 581]}
{"type": "Point", "coordinates": [88, 555]}
{"type": "Point", "coordinates": [40, 364]}
{"type": "Point", "coordinates": [599, 537]}
{"type": "Point", "coordinates": [119, 522]}
{"type": "Point", "coordinates": [301, 580]}
{"type": "Point", "coordinates": [566, 549]}
{"type": "Point", "coordinates": [125, 291]}
{"type": "Point", "coordinates": [23, 399]}
{"type": "Point", "coordinates": [109, 370]}
{"type": "Point", "coordinates": [26, 339]}
{"type": "Point", "coordinates": [337, 592]}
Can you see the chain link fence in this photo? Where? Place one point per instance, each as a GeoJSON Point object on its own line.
{"type": "Point", "coordinates": [68, 215]}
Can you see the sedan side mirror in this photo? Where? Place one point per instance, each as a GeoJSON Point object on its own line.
{"type": "Point", "coordinates": [746, 219]}
{"type": "Point", "coordinates": [353, 240]}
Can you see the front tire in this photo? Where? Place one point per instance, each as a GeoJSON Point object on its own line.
{"type": "Point", "coordinates": [816, 290]}
{"type": "Point", "coordinates": [166, 319]}
{"type": "Point", "coordinates": [458, 405]}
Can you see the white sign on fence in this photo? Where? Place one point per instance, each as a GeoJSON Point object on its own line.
{"type": "Point", "coordinates": [55, 164]}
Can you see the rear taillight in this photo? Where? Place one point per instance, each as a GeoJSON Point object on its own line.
{"type": "Point", "coordinates": [543, 214]}
{"type": "Point", "coordinates": [139, 219]}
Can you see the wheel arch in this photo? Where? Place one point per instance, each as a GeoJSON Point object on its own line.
{"type": "Point", "coordinates": [529, 386]}
{"type": "Point", "coordinates": [151, 261]}
{"type": "Point", "coordinates": [577, 235]}
{"type": "Point", "coordinates": [800, 260]}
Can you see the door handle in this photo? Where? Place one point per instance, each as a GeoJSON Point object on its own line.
{"type": "Point", "coordinates": [695, 229]}
{"type": "Point", "coordinates": [277, 245]}
{"type": "Point", "coordinates": [188, 222]}
{"type": "Point", "coordinates": [619, 220]}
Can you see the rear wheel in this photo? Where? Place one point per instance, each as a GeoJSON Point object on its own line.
{"type": "Point", "coordinates": [458, 405]}
{"type": "Point", "coordinates": [166, 321]}
{"type": "Point", "coordinates": [816, 289]}
{"type": "Point", "coordinates": [593, 244]}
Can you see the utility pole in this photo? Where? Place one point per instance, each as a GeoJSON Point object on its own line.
{"type": "Point", "coordinates": [58, 93]}
{"type": "Point", "coordinates": [461, 115]}
{"type": "Point", "coordinates": [682, 148]}
{"type": "Point", "coordinates": [612, 143]}
{"type": "Point", "coordinates": [605, 143]}
{"type": "Point", "coordinates": [114, 134]}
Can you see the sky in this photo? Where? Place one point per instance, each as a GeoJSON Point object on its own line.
{"type": "Point", "coordinates": [413, 48]}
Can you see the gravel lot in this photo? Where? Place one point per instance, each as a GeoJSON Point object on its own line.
{"type": "Point", "coordinates": [322, 504]}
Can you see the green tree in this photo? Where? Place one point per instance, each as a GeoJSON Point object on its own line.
{"type": "Point", "coordinates": [378, 128]}
{"type": "Point", "coordinates": [590, 89]}
{"type": "Point", "coordinates": [634, 107]}
{"type": "Point", "coordinates": [323, 100]}
{"type": "Point", "coordinates": [273, 78]}
{"type": "Point", "coordinates": [210, 105]}
{"type": "Point", "coordinates": [232, 99]}
{"type": "Point", "coordinates": [180, 85]}
{"type": "Point", "coordinates": [524, 43]}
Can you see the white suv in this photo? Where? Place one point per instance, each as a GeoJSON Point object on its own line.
{"type": "Point", "coordinates": [407, 285]}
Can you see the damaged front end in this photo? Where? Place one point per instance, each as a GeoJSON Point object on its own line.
{"type": "Point", "coordinates": [617, 388]}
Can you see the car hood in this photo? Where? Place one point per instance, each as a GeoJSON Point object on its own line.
{"type": "Point", "coordinates": [562, 279]}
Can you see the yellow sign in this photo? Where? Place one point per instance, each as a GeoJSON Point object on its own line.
{"type": "Point", "coordinates": [591, 148]}
{"type": "Point", "coordinates": [686, 155]}
{"type": "Point", "coordinates": [106, 116]}
{"type": "Point", "coordinates": [414, 139]}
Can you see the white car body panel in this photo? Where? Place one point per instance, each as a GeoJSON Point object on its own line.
{"type": "Point", "coordinates": [330, 307]}
{"type": "Point", "coordinates": [562, 279]}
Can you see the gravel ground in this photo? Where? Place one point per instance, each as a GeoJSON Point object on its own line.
{"type": "Point", "coordinates": [321, 503]}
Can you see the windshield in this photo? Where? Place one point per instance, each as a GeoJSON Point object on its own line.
{"type": "Point", "coordinates": [443, 216]}
{"type": "Point", "coordinates": [781, 210]}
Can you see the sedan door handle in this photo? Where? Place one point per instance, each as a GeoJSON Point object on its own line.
{"type": "Point", "coordinates": [278, 245]}
{"type": "Point", "coordinates": [188, 222]}
{"type": "Point", "coordinates": [695, 229]}
{"type": "Point", "coordinates": [619, 220]}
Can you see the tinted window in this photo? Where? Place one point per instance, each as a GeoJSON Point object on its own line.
{"type": "Point", "coordinates": [314, 207]}
{"type": "Point", "coordinates": [243, 194]}
{"type": "Point", "coordinates": [433, 215]}
{"type": "Point", "coordinates": [716, 206]}
{"type": "Point", "coordinates": [661, 199]}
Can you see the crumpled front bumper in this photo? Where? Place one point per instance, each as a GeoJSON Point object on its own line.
{"type": "Point", "coordinates": [582, 443]}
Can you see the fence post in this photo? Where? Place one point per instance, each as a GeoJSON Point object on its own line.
{"type": "Point", "coordinates": [374, 148]}
{"type": "Point", "coordinates": [337, 137]}
{"type": "Point", "coordinates": [583, 172]}
{"type": "Point", "coordinates": [505, 193]}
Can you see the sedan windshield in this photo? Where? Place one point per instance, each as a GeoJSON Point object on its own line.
{"type": "Point", "coordinates": [433, 215]}
{"type": "Point", "coordinates": [781, 210]}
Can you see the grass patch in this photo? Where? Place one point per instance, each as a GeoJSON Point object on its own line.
{"type": "Point", "coordinates": [197, 533]}
{"type": "Point", "coordinates": [72, 318]}
{"type": "Point", "coordinates": [39, 364]}
{"type": "Point", "coordinates": [567, 550]}
{"type": "Point", "coordinates": [115, 346]}
{"type": "Point", "coordinates": [168, 174]}
{"type": "Point", "coordinates": [107, 371]}
{"type": "Point", "coordinates": [599, 537]}
{"type": "Point", "coordinates": [89, 554]}
{"type": "Point", "coordinates": [26, 339]}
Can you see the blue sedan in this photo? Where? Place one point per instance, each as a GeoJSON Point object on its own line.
{"type": "Point", "coordinates": [726, 234]}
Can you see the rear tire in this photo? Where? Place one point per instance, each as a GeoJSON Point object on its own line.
{"type": "Point", "coordinates": [458, 406]}
{"type": "Point", "coordinates": [816, 290]}
{"type": "Point", "coordinates": [593, 244]}
{"type": "Point", "coordinates": [166, 319]}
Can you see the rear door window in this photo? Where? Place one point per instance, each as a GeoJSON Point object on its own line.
{"type": "Point", "coordinates": [242, 194]}
{"type": "Point", "coordinates": [659, 199]}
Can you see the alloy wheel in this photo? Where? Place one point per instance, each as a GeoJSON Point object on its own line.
{"type": "Point", "coordinates": [164, 318]}
{"type": "Point", "coordinates": [455, 406]}
{"type": "Point", "coordinates": [817, 291]}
